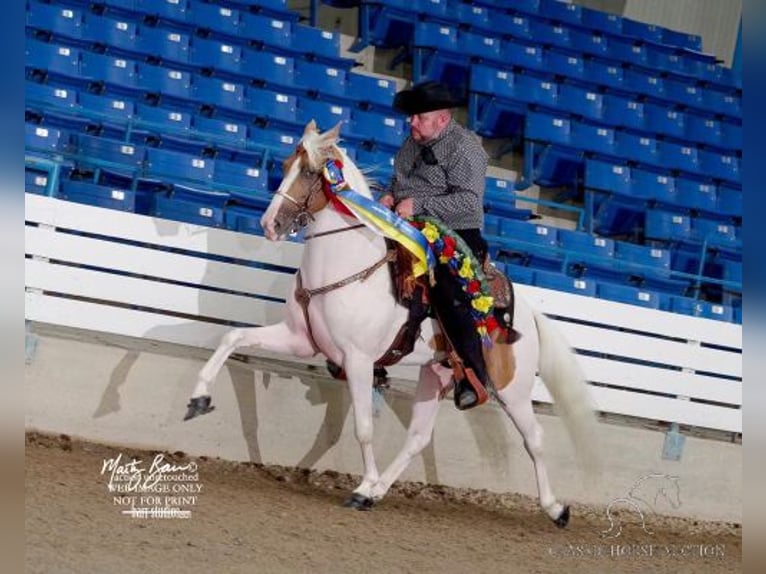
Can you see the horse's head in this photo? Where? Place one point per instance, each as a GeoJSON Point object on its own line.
{"type": "Point", "coordinates": [300, 194]}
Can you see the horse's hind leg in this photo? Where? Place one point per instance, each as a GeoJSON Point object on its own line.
{"type": "Point", "coordinates": [425, 407]}
{"type": "Point", "coordinates": [278, 338]}
{"type": "Point", "coordinates": [523, 417]}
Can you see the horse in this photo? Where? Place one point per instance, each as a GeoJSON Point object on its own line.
{"type": "Point", "coordinates": [642, 498]}
{"type": "Point", "coordinates": [352, 316]}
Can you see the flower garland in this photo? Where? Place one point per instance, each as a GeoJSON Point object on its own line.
{"type": "Point", "coordinates": [450, 249]}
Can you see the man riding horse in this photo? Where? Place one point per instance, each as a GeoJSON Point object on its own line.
{"type": "Point", "coordinates": [439, 172]}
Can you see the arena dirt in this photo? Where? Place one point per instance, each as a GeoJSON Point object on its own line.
{"type": "Point", "coordinates": [252, 518]}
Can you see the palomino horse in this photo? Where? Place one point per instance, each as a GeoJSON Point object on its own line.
{"type": "Point", "coordinates": [353, 317]}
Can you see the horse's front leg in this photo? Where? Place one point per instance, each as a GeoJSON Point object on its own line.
{"type": "Point", "coordinates": [425, 407]}
{"type": "Point", "coordinates": [359, 371]}
{"type": "Point", "coordinates": [279, 338]}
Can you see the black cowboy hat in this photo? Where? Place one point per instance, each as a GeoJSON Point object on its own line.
{"type": "Point", "coordinates": [426, 97]}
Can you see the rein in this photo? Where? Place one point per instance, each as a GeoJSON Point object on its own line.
{"type": "Point", "coordinates": [340, 230]}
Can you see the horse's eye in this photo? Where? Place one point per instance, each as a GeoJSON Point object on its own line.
{"type": "Point", "coordinates": [308, 173]}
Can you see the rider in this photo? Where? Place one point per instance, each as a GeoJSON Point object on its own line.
{"type": "Point", "coordinates": [439, 172]}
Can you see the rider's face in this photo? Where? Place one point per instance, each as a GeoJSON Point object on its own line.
{"type": "Point", "coordinates": [428, 125]}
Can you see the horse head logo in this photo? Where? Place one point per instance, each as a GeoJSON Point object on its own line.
{"type": "Point", "coordinates": [644, 497]}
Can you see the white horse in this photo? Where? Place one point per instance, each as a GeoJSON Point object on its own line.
{"type": "Point", "coordinates": [354, 323]}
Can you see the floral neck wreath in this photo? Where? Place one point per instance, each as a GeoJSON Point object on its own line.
{"type": "Point", "coordinates": [450, 250]}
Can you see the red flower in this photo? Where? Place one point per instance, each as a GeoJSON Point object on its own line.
{"type": "Point", "coordinates": [473, 286]}
{"type": "Point", "coordinates": [449, 248]}
{"type": "Point", "coordinates": [491, 323]}
{"type": "Point", "coordinates": [450, 242]}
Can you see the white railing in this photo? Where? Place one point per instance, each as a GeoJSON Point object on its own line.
{"type": "Point", "coordinates": [139, 276]}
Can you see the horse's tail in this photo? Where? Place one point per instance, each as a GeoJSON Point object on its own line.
{"type": "Point", "coordinates": [565, 380]}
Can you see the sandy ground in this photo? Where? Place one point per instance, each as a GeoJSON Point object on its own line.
{"type": "Point", "coordinates": [263, 519]}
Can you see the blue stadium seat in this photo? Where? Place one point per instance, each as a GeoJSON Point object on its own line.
{"type": "Point", "coordinates": [169, 82]}
{"type": "Point", "coordinates": [216, 55]}
{"type": "Point", "coordinates": [472, 16]}
{"type": "Point", "coordinates": [377, 163]}
{"type": "Point", "coordinates": [192, 205]}
{"type": "Point", "coordinates": [110, 110]}
{"type": "Point", "coordinates": [480, 46]}
{"type": "Point", "coordinates": [91, 193]}
{"type": "Point", "coordinates": [682, 39]}
{"type": "Point", "coordinates": [561, 11]}
{"type": "Point", "coordinates": [437, 56]}
{"type": "Point", "coordinates": [659, 187]}
{"type": "Point", "coordinates": [371, 90]}
{"type": "Point", "coordinates": [43, 97]}
{"type": "Point", "coordinates": [322, 78]}
{"type": "Point", "coordinates": [713, 232]}
{"type": "Point", "coordinates": [52, 59]}
{"type": "Point", "coordinates": [637, 147]}
{"type": "Point", "coordinates": [565, 64]}
{"type": "Point", "coordinates": [249, 181]}
{"type": "Point", "coordinates": [243, 219]}
{"type": "Point", "coordinates": [602, 21]}
{"type": "Point", "coordinates": [214, 17]}
{"type": "Point", "coordinates": [579, 243]}
{"type": "Point", "coordinates": [696, 195]}
{"type": "Point", "coordinates": [561, 282]}
{"type": "Point", "coordinates": [704, 130]}
{"type": "Point", "coordinates": [220, 94]}
{"type": "Point", "coordinates": [176, 165]}
{"type": "Point", "coordinates": [581, 101]}
{"type": "Point", "coordinates": [549, 128]}
{"type": "Point", "coordinates": [517, 273]}
{"type": "Point", "coordinates": [720, 102]}
{"type": "Point", "coordinates": [643, 259]}
{"type": "Point", "coordinates": [174, 120]}
{"type": "Point", "coordinates": [698, 308]}
{"type": "Point", "coordinates": [661, 119]}
{"type": "Point", "coordinates": [608, 176]}
{"type": "Point", "coordinates": [538, 91]}
{"type": "Point", "coordinates": [166, 45]}
{"type": "Point", "coordinates": [168, 10]}
{"type": "Point", "coordinates": [640, 82]}
{"type": "Point", "coordinates": [115, 156]}
{"type": "Point", "coordinates": [534, 245]}
{"type": "Point", "coordinates": [44, 139]}
{"type": "Point", "coordinates": [271, 106]}
{"type": "Point", "coordinates": [524, 55]}
{"type": "Point", "coordinates": [274, 70]}
{"type": "Point", "coordinates": [112, 33]}
{"type": "Point", "coordinates": [320, 44]}
{"type": "Point", "coordinates": [604, 73]}
{"type": "Point", "coordinates": [628, 51]}
{"type": "Point", "coordinates": [549, 34]}
{"type": "Point", "coordinates": [593, 138]}
{"type": "Point", "coordinates": [679, 156]}
{"type": "Point", "coordinates": [588, 42]}
{"type": "Point", "coordinates": [266, 30]}
{"type": "Point", "coordinates": [684, 93]}
{"type": "Point", "coordinates": [720, 165]}
{"type": "Point", "coordinates": [515, 25]}
{"type": "Point", "coordinates": [65, 21]}
{"type": "Point", "coordinates": [627, 294]}
{"type": "Point", "coordinates": [325, 114]}
{"type": "Point", "coordinates": [667, 226]}
{"type": "Point", "coordinates": [221, 131]}
{"type": "Point", "coordinates": [383, 129]}
{"type": "Point", "coordinates": [116, 72]}
{"type": "Point", "coordinates": [493, 108]}
{"type": "Point", "coordinates": [642, 31]}
{"type": "Point", "coordinates": [623, 111]}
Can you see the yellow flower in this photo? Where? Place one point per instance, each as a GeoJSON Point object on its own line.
{"type": "Point", "coordinates": [431, 232]}
{"type": "Point", "coordinates": [443, 259]}
{"type": "Point", "coordinates": [466, 272]}
{"type": "Point", "coordinates": [482, 303]}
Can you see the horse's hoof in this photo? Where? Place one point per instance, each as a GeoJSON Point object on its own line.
{"type": "Point", "coordinates": [198, 406]}
{"type": "Point", "coordinates": [359, 502]}
{"type": "Point", "coordinates": [563, 518]}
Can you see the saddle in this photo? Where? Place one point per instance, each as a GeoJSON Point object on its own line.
{"type": "Point", "coordinates": [412, 292]}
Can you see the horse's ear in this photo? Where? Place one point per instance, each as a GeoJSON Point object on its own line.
{"type": "Point", "coordinates": [333, 135]}
{"type": "Point", "coordinates": [310, 127]}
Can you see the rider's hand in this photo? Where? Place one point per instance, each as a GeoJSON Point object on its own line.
{"type": "Point", "coordinates": [387, 201]}
{"type": "Point", "coordinates": [406, 208]}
